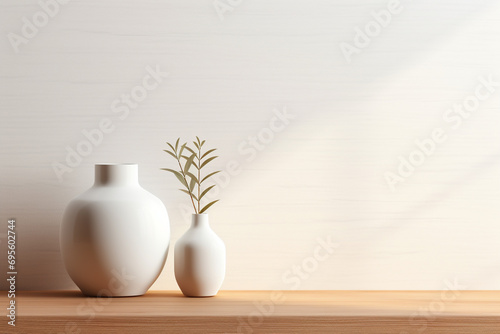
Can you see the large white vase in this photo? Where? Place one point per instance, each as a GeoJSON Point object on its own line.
{"type": "Point", "coordinates": [200, 259]}
{"type": "Point", "coordinates": [115, 236]}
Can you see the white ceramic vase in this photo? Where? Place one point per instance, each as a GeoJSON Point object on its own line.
{"type": "Point", "coordinates": [115, 236]}
{"type": "Point", "coordinates": [200, 259]}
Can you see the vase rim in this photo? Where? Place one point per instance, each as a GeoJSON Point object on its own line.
{"type": "Point", "coordinates": [116, 164]}
{"type": "Point", "coordinates": [117, 174]}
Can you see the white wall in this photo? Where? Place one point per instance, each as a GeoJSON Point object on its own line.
{"type": "Point", "coordinates": [322, 175]}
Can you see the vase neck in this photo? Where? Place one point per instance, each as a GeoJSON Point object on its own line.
{"type": "Point", "coordinates": [116, 174]}
{"type": "Point", "coordinates": [199, 220]}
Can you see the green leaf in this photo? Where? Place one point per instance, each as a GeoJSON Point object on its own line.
{"type": "Point", "coordinates": [189, 193]}
{"type": "Point", "coordinates": [207, 161]}
{"type": "Point", "coordinates": [188, 164]}
{"type": "Point", "coordinates": [178, 175]}
{"type": "Point", "coordinates": [205, 208]}
{"type": "Point", "coordinates": [203, 142]}
{"type": "Point", "coordinates": [192, 176]}
{"type": "Point", "coordinates": [170, 153]}
{"type": "Point", "coordinates": [196, 144]}
{"type": "Point", "coordinates": [192, 184]}
{"type": "Point", "coordinates": [198, 139]}
{"type": "Point", "coordinates": [170, 170]}
{"type": "Point", "coordinates": [194, 161]}
{"type": "Point", "coordinates": [177, 144]}
{"type": "Point", "coordinates": [182, 149]}
{"type": "Point", "coordinates": [173, 149]}
{"type": "Point", "coordinates": [208, 152]}
{"type": "Point", "coordinates": [209, 175]}
{"type": "Point", "coordinates": [206, 191]}
{"type": "Point", "coordinates": [190, 149]}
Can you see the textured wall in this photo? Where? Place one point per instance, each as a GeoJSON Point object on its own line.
{"type": "Point", "coordinates": [317, 110]}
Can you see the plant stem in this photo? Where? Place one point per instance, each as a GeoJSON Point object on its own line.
{"type": "Point", "coordinates": [199, 177]}
{"type": "Point", "coordinates": [185, 180]}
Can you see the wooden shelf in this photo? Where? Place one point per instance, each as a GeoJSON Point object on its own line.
{"type": "Point", "coordinates": [387, 312]}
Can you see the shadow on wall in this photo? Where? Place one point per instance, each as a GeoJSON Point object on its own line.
{"type": "Point", "coordinates": [39, 264]}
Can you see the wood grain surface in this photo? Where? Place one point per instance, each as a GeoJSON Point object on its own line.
{"type": "Point", "coordinates": [397, 312]}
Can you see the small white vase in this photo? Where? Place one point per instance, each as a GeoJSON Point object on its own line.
{"type": "Point", "coordinates": [115, 236]}
{"type": "Point", "coordinates": [200, 259]}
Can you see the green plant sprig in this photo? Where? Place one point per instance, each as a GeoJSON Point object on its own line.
{"type": "Point", "coordinates": [193, 181]}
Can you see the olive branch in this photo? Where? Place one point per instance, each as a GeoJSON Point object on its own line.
{"type": "Point", "coordinates": [192, 182]}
